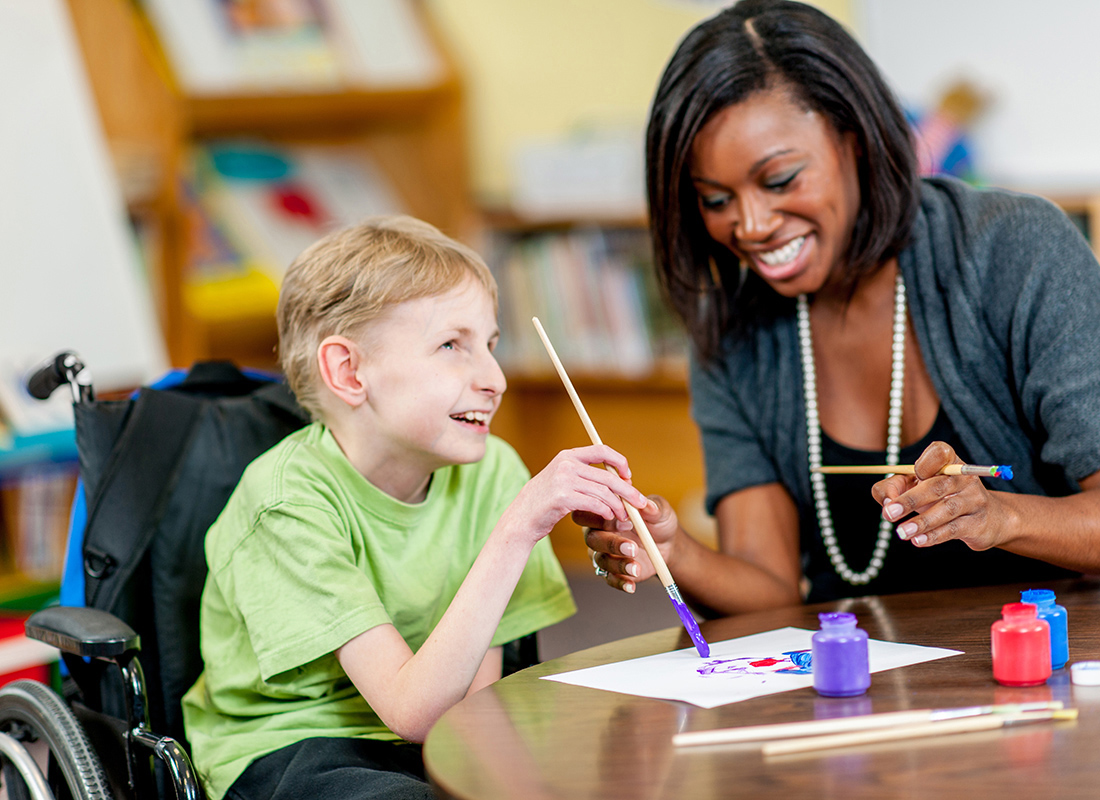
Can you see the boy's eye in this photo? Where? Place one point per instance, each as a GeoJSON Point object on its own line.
{"type": "Point", "coordinates": [449, 345]}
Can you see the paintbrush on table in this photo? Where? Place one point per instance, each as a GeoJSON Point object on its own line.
{"type": "Point", "coordinates": [862, 722]}
{"type": "Point", "coordinates": [986, 722]}
{"type": "Point", "coordinates": [640, 528]}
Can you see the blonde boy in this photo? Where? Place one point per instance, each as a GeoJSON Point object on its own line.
{"type": "Point", "coordinates": [367, 569]}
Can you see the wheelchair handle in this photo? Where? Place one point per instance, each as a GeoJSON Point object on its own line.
{"type": "Point", "coordinates": [65, 367]}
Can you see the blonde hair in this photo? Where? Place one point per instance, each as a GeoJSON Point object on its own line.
{"type": "Point", "coordinates": [351, 277]}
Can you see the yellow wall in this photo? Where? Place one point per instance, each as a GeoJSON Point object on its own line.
{"type": "Point", "coordinates": [537, 68]}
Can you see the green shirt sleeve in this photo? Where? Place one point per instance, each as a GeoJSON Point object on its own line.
{"type": "Point", "coordinates": [297, 588]}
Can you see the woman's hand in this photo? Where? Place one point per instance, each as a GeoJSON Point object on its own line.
{"type": "Point", "coordinates": [617, 548]}
{"type": "Point", "coordinates": [945, 506]}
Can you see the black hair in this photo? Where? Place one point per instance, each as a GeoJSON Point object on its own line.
{"type": "Point", "coordinates": [750, 47]}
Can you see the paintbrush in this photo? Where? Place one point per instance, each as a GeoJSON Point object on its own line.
{"type": "Point", "coordinates": [986, 722]}
{"type": "Point", "coordinates": [863, 722]}
{"type": "Point", "coordinates": [997, 471]}
{"type": "Point", "coordinates": [640, 528]}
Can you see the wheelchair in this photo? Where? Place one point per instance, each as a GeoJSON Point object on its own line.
{"type": "Point", "coordinates": [156, 469]}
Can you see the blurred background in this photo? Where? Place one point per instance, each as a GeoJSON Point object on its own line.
{"type": "Point", "coordinates": [164, 160]}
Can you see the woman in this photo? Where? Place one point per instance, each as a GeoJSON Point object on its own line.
{"type": "Point", "coordinates": [843, 311]}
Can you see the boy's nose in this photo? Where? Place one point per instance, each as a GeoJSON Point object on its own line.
{"type": "Point", "coordinates": [491, 378]}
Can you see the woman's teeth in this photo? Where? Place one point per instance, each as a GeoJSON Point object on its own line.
{"type": "Point", "coordinates": [472, 416]}
{"type": "Point", "coordinates": [784, 254]}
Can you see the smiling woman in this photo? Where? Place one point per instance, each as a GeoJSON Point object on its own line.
{"type": "Point", "coordinates": [844, 311]}
{"type": "Point", "coordinates": [777, 186]}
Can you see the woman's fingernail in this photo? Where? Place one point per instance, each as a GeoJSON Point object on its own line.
{"type": "Point", "coordinates": [919, 540]}
{"type": "Point", "coordinates": [632, 570]}
{"type": "Point", "coordinates": [627, 549]}
{"type": "Point", "coordinates": [894, 511]}
{"type": "Point", "coordinates": [907, 529]}
{"type": "Point", "coordinates": [628, 588]}
{"type": "Point", "coordinates": [624, 525]}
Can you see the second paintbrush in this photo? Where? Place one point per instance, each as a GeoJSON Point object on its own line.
{"type": "Point", "coordinates": [996, 471]}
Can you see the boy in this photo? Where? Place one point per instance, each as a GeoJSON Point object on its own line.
{"type": "Point", "coordinates": [367, 569]}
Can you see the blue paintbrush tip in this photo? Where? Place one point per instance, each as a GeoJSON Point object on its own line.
{"type": "Point", "coordinates": [1004, 471]}
{"type": "Point", "coordinates": [689, 622]}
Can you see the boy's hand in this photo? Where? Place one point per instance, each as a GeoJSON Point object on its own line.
{"type": "Point", "coordinates": [617, 549]}
{"type": "Point", "coordinates": [575, 482]}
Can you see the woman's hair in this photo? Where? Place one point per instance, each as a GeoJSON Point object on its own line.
{"type": "Point", "coordinates": [751, 47]}
{"type": "Point", "coordinates": [350, 277]}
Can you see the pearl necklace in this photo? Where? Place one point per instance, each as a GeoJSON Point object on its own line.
{"type": "Point", "coordinates": [813, 434]}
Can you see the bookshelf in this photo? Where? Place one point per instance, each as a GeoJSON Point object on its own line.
{"type": "Point", "coordinates": [413, 133]}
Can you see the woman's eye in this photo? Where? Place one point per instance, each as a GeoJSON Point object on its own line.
{"type": "Point", "coordinates": [713, 202]}
{"type": "Point", "coordinates": [782, 182]}
{"type": "Point", "coordinates": [451, 345]}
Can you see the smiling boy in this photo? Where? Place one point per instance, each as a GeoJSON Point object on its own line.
{"type": "Point", "coordinates": [367, 569]}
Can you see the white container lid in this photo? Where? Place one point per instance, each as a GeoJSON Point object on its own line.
{"type": "Point", "coordinates": [1086, 673]}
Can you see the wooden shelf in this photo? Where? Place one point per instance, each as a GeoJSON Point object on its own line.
{"type": "Point", "coordinates": [282, 113]}
{"type": "Point", "coordinates": [506, 220]}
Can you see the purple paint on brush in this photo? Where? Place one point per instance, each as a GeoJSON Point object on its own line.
{"type": "Point", "coordinates": [688, 620]}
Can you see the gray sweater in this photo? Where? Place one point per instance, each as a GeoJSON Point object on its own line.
{"type": "Point", "coordinates": [1004, 294]}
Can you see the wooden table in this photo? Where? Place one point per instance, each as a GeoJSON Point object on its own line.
{"type": "Point", "coordinates": [532, 739]}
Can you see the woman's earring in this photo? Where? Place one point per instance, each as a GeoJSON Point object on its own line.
{"type": "Point", "coordinates": [714, 275]}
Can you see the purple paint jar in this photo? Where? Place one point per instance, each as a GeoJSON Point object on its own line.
{"type": "Point", "coordinates": [840, 664]}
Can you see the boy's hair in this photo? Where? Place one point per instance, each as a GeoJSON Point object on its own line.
{"type": "Point", "coordinates": [350, 277]}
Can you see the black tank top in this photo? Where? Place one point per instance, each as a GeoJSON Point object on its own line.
{"type": "Point", "coordinates": [907, 568]}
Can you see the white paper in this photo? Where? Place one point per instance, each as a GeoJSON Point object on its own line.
{"type": "Point", "coordinates": [737, 669]}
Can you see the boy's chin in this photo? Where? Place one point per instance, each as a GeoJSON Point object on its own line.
{"type": "Point", "coordinates": [465, 455]}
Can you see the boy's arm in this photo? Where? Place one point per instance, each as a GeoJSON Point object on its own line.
{"type": "Point", "coordinates": [492, 667]}
{"type": "Point", "coordinates": [410, 691]}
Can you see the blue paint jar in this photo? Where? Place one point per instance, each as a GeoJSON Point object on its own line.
{"type": "Point", "coordinates": [840, 663]}
{"type": "Point", "coordinates": [1055, 615]}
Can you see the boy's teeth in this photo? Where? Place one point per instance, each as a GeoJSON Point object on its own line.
{"type": "Point", "coordinates": [783, 254]}
{"type": "Point", "coordinates": [473, 416]}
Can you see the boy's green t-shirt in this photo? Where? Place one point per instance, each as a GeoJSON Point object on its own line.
{"type": "Point", "coordinates": [307, 555]}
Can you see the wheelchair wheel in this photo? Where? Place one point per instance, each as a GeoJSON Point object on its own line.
{"type": "Point", "coordinates": [31, 711]}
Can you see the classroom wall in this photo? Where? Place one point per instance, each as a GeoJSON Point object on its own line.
{"type": "Point", "coordinates": [536, 69]}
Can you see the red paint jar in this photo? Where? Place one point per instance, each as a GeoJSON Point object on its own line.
{"type": "Point", "coordinates": [1021, 646]}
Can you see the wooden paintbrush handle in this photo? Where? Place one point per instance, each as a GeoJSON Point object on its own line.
{"type": "Point", "coordinates": [635, 518]}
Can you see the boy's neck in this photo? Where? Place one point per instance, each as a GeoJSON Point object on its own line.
{"type": "Point", "coordinates": [403, 481]}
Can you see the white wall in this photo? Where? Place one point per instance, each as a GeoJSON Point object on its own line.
{"type": "Point", "coordinates": [1040, 61]}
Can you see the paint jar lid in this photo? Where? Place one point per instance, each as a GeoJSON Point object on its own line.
{"type": "Point", "coordinates": [1086, 673]}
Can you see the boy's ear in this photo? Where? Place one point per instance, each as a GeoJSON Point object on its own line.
{"type": "Point", "coordinates": [339, 359]}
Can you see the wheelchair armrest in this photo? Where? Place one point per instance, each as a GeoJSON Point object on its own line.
{"type": "Point", "coordinates": [86, 632]}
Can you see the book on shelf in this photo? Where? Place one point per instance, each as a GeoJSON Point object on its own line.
{"type": "Point", "coordinates": [592, 291]}
{"type": "Point", "coordinates": [261, 46]}
{"type": "Point", "coordinates": [36, 503]}
{"type": "Point", "coordinates": [252, 207]}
